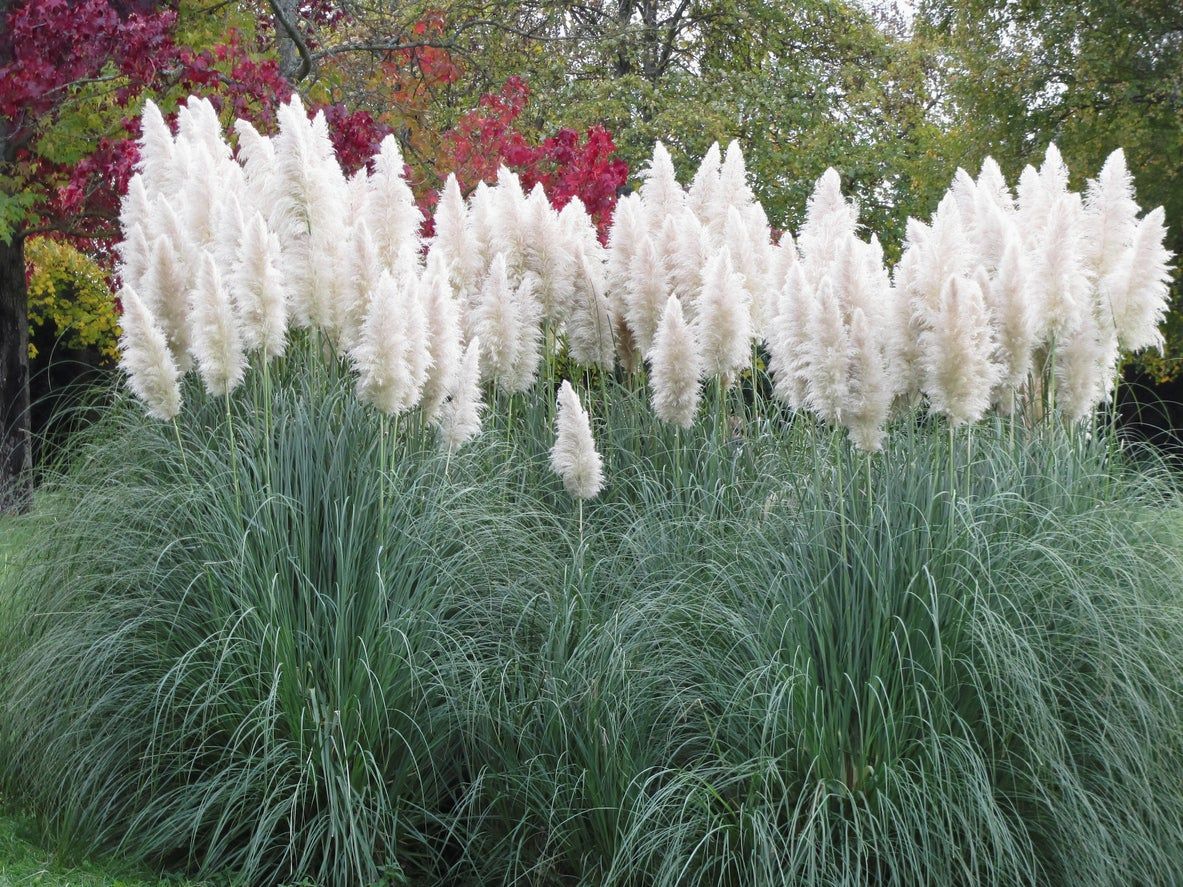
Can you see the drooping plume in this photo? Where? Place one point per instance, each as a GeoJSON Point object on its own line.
{"type": "Point", "coordinates": [151, 373]}
{"type": "Point", "coordinates": [1136, 293]}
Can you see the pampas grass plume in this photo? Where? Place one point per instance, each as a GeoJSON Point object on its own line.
{"type": "Point", "coordinates": [216, 341]}
{"type": "Point", "coordinates": [573, 456]}
{"type": "Point", "coordinates": [676, 368]}
{"type": "Point", "coordinates": [152, 375]}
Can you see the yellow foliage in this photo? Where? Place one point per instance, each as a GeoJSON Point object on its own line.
{"type": "Point", "coordinates": [69, 290]}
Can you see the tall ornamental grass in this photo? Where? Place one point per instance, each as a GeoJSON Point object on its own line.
{"type": "Point", "coordinates": [510, 556]}
{"type": "Point", "coordinates": [310, 653]}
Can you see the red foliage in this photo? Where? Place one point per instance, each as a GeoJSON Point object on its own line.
{"type": "Point", "coordinates": [48, 46]}
{"type": "Point", "coordinates": [486, 138]}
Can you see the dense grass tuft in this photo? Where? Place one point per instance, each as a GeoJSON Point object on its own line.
{"type": "Point", "coordinates": [304, 650]}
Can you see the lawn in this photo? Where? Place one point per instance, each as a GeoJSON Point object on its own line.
{"type": "Point", "coordinates": [24, 861]}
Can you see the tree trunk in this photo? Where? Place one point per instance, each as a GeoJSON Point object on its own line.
{"type": "Point", "coordinates": [16, 454]}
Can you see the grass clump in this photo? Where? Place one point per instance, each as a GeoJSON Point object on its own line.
{"type": "Point", "coordinates": [306, 651]}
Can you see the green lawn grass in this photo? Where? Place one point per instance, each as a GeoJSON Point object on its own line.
{"type": "Point", "coordinates": [24, 861]}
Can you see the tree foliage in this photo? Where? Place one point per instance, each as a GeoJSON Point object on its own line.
{"type": "Point", "coordinates": [70, 298]}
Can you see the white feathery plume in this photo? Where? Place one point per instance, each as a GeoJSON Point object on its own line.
{"type": "Point", "coordinates": [687, 259]}
{"type": "Point", "coordinates": [589, 322]}
{"type": "Point", "coordinates": [943, 252]}
{"type": "Point", "coordinates": [624, 240]}
{"type": "Point", "coordinates": [419, 359]}
{"type": "Point", "coordinates": [959, 370]}
{"type": "Point", "coordinates": [216, 343]}
{"type": "Point", "coordinates": [152, 375]}
{"type": "Point", "coordinates": [310, 214]}
{"type": "Point", "coordinates": [1041, 191]}
{"type": "Point", "coordinates": [228, 235]}
{"type": "Point", "coordinates": [529, 347]}
{"type": "Point", "coordinates": [1031, 203]}
{"type": "Point", "coordinates": [134, 256]}
{"type": "Point", "coordinates": [573, 456]}
{"type": "Point", "coordinates": [198, 124]}
{"type": "Point", "coordinates": [362, 273]}
{"type": "Point", "coordinates": [1013, 310]}
{"type": "Point", "coordinates": [783, 257]}
{"type": "Point", "coordinates": [733, 178]}
{"type": "Point", "coordinates": [454, 235]}
{"type": "Point", "coordinates": [484, 218]}
{"type": "Point", "coordinates": [723, 323]}
{"type": "Point", "coordinates": [166, 284]}
{"type": "Point", "coordinates": [407, 266]}
{"type": "Point", "coordinates": [256, 154]}
{"type": "Point", "coordinates": [156, 161]}
{"type": "Point", "coordinates": [578, 227]}
{"type": "Point", "coordinates": [829, 218]}
{"type": "Point", "coordinates": [549, 254]}
{"type": "Point", "coordinates": [787, 336]}
{"type": "Point", "coordinates": [827, 357]}
{"type": "Point", "coordinates": [992, 227]}
{"type": "Point", "coordinates": [703, 196]}
{"type": "Point", "coordinates": [648, 291]}
{"type": "Point", "coordinates": [389, 210]}
{"type": "Point", "coordinates": [902, 335]}
{"type": "Point", "coordinates": [661, 195]}
{"type": "Point", "coordinates": [675, 368]}
{"type": "Point", "coordinates": [964, 190]}
{"type": "Point", "coordinates": [507, 323]}
{"type": "Point", "coordinates": [259, 293]}
{"type": "Point", "coordinates": [1111, 215]}
{"type": "Point", "coordinates": [443, 334]}
{"type": "Point", "coordinates": [1065, 290]}
{"type": "Point", "coordinates": [992, 183]}
{"type": "Point", "coordinates": [1086, 369]}
{"type": "Point", "coordinates": [759, 230]}
{"type": "Point", "coordinates": [1086, 366]}
{"type": "Point", "coordinates": [870, 389]}
{"type": "Point", "coordinates": [752, 266]}
{"type": "Point", "coordinates": [135, 207]}
{"type": "Point", "coordinates": [201, 199]}
{"type": "Point", "coordinates": [852, 284]}
{"type": "Point", "coordinates": [1053, 171]}
{"type": "Point", "coordinates": [496, 323]}
{"type": "Point", "coordinates": [507, 233]}
{"type": "Point", "coordinates": [1136, 293]}
{"type": "Point", "coordinates": [385, 374]}
{"type": "Point", "coordinates": [916, 232]}
{"type": "Point", "coordinates": [458, 418]}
